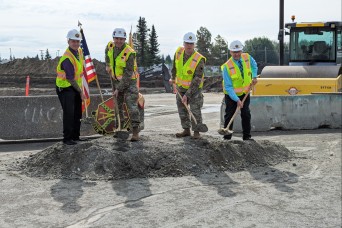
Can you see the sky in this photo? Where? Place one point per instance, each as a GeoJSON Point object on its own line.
{"type": "Point", "coordinates": [26, 27]}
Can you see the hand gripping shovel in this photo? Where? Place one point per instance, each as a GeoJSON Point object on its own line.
{"type": "Point", "coordinates": [226, 131]}
{"type": "Point", "coordinates": [198, 127]}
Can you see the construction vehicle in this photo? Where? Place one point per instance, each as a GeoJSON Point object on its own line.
{"type": "Point", "coordinates": [155, 77]}
{"type": "Point", "coordinates": [315, 56]}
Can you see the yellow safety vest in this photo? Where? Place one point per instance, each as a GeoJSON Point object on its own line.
{"type": "Point", "coordinates": [61, 80]}
{"type": "Point", "coordinates": [240, 84]}
{"type": "Point", "coordinates": [120, 61]}
{"type": "Point", "coordinates": [185, 72]}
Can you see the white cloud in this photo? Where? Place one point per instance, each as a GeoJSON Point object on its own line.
{"type": "Point", "coordinates": [28, 26]}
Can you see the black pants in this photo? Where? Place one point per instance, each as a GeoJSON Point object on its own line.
{"type": "Point", "coordinates": [245, 114]}
{"type": "Point", "coordinates": [72, 112]}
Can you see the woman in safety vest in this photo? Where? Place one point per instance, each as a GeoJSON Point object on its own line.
{"type": "Point", "coordinates": [68, 88]}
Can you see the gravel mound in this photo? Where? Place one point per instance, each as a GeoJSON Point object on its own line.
{"type": "Point", "coordinates": [161, 155]}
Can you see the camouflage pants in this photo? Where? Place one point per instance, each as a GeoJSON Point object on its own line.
{"type": "Point", "coordinates": [195, 103]}
{"type": "Point", "coordinates": [130, 97]}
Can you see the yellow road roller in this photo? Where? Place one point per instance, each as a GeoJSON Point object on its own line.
{"type": "Point", "coordinates": [315, 56]}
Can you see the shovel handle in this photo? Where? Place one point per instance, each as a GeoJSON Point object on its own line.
{"type": "Point", "coordinates": [187, 108]}
{"type": "Point", "coordinates": [116, 107]}
{"type": "Point", "coordinates": [238, 108]}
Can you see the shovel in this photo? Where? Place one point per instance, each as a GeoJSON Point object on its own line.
{"type": "Point", "coordinates": [87, 119]}
{"type": "Point", "coordinates": [118, 132]}
{"type": "Point", "coordinates": [226, 131]}
{"type": "Point", "coordinates": [198, 127]}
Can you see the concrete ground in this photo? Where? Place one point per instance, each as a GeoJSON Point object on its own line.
{"type": "Point", "coordinates": [303, 192]}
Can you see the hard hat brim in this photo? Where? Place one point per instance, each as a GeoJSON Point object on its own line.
{"type": "Point", "coordinates": [236, 49]}
{"type": "Point", "coordinates": [79, 39]}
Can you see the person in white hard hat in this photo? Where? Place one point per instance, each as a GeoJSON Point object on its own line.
{"type": "Point", "coordinates": [68, 87]}
{"type": "Point", "coordinates": [239, 73]}
{"type": "Point", "coordinates": [188, 76]}
{"type": "Point", "coordinates": [122, 67]}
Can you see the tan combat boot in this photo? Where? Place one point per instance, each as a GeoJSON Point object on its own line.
{"type": "Point", "coordinates": [135, 136]}
{"type": "Point", "coordinates": [186, 132]}
{"type": "Point", "coordinates": [196, 135]}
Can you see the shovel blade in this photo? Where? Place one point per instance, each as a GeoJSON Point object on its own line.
{"type": "Point", "coordinates": [121, 135]}
{"type": "Point", "coordinates": [200, 128]}
{"type": "Point", "coordinates": [223, 131]}
{"type": "Point", "coordinates": [87, 120]}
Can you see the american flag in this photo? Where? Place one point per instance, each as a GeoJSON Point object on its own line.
{"type": "Point", "coordinates": [89, 73]}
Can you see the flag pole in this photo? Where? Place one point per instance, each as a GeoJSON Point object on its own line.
{"type": "Point", "coordinates": [97, 80]}
{"type": "Point", "coordinates": [86, 120]}
{"type": "Point", "coordinates": [84, 100]}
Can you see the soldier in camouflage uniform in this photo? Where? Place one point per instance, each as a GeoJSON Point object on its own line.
{"type": "Point", "coordinates": [188, 76]}
{"type": "Point", "coordinates": [121, 65]}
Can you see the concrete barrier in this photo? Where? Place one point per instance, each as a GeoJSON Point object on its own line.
{"type": "Point", "coordinates": [41, 116]}
{"type": "Point", "coordinates": [36, 117]}
{"type": "Point", "coordinates": [292, 112]}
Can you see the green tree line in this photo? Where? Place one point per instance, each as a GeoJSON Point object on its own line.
{"type": "Point", "coordinates": [216, 50]}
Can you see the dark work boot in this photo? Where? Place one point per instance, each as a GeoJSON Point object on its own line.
{"type": "Point", "coordinates": [247, 137]}
{"type": "Point", "coordinates": [196, 135]}
{"type": "Point", "coordinates": [186, 132]}
{"type": "Point", "coordinates": [135, 136]}
{"type": "Point", "coordinates": [227, 137]}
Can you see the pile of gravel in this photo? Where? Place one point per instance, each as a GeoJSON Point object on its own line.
{"type": "Point", "coordinates": [161, 155]}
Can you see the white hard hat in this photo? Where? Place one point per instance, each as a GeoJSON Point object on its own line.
{"type": "Point", "coordinates": [236, 46]}
{"type": "Point", "coordinates": [74, 34]}
{"type": "Point", "coordinates": [189, 38]}
{"type": "Point", "coordinates": [119, 32]}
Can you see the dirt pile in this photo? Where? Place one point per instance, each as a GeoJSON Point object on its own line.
{"type": "Point", "coordinates": [42, 73]}
{"type": "Point", "coordinates": [162, 155]}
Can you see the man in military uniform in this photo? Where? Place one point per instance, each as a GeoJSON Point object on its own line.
{"type": "Point", "coordinates": [121, 65]}
{"type": "Point", "coordinates": [188, 75]}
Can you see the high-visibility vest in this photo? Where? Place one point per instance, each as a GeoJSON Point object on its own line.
{"type": "Point", "coordinates": [120, 61]}
{"type": "Point", "coordinates": [61, 80]}
{"type": "Point", "coordinates": [185, 72]}
{"type": "Point", "coordinates": [240, 84]}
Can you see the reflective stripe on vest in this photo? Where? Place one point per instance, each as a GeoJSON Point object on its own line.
{"type": "Point", "coordinates": [120, 61]}
{"type": "Point", "coordinates": [61, 80]}
{"type": "Point", "coordinates": [179, 52]}
{"type": "Point", "coordinates": [185, 72]}
{"type": "Point", "coordinates": [241, 85]}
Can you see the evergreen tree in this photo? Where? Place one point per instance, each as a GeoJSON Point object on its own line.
{"type": "Point", "coordinates": [168, 60]}
{"type": "Point", "coordinates": [204, 45]}
{"type": "Point", "coordinates": [219, 51]}
{"type": "Point", "coordinates": [37, 57]}
{"type": "Point", "coordinates": [142, 47]}
{"type": "Point", "coordinates": [47, 54]}
{"type": "Point", "coordinates": [153, 49]}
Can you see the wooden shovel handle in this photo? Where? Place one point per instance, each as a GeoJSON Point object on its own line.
{"type": "Point", "coordinates": [238, 108]}
{"type": "Point", "coordinates": [187, 108]}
